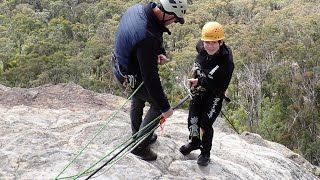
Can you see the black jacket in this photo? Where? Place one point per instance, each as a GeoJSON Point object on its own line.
{"type": "Point", "coordinates": [214, 72]}
{"type": "Point", "coordinates": [138, 43]}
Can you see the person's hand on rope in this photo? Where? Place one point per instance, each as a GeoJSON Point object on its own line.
{"type": "Point", "coordinates": [164, 116]}
{"type": "Point", "coordinates": [162, 59]}
{"type": "Point", "coordinates": [167, 114]}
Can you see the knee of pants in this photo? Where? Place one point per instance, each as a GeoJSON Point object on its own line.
{"type": "Point", "coordinates": [207, 130]}
{"type": "Point", "coordinates": [137, 102]}
{"type": "Point", "coordinates": [206, 124]}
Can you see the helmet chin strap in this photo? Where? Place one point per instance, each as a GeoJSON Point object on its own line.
{"type": "Point", "coordinates": [163, 17]}
{"type": "Point", "coordinates": [164, 14]}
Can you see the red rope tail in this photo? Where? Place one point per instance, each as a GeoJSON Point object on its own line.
{"type": "Point", "coordinates": [162, 121]}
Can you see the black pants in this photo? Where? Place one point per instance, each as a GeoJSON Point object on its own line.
{"type": "Point", "coordinates": [137, 104]}
{"type": "Point", "coordinates": [203, 111]}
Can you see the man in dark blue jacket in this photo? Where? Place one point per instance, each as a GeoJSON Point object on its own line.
{"type": "Point", "coordinates": [138, 52]}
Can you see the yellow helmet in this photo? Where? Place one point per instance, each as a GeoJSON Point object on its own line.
{"type": "Point", "coordinates": [212, 31]}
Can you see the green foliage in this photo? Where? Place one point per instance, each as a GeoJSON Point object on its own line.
{"type": "Point", "coordinates": [275, 89]}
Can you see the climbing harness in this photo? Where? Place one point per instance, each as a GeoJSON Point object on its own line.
{"type": "Point", "coordinates": [125, 81]}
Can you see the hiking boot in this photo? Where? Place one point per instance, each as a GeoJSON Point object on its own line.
{"type": "Point", "coordinates": [187, 148]}
{"type": "Point", "coordinates": [144, 153]}
{"type": "Point", "coordinates": [203, 159]}
{"type": "Point", "coordinates": [153, 138]}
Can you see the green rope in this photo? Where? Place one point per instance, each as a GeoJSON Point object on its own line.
{"type": "Point", "coordinates": [99, 131]}
{"type": "Point", "coordinates": [73, 176]}
{"type": "Point", "coordinates": [103, 127]}
{"type": "Point", "coordinates": [141, 130]}
{"type": "Point", "coordinates": [144, 135]}
{"type": "Point", "coordinates": [129, 149]}
{"type": "Point", "coordinates": [87, 171]}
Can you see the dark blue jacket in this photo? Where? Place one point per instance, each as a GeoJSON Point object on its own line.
{"type": "Point", "coordinates": [137, 46]}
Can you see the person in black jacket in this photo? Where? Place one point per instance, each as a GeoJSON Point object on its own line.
{"type": "Point", "coordinates": [213, 69]}
{"type": "Point", "coordinates": [137, 53]}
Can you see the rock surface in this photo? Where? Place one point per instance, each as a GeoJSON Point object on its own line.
{"type": "Point", "coordinates": [42, 129]}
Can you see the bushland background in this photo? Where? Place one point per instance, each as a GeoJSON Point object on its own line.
{"type": "Point", "coordinates": [275, 89]}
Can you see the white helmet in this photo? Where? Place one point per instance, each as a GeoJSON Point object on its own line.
{"type": "Point", "coordinates": [178, 7]}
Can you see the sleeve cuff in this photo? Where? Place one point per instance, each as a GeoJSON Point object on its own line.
{"type": "Point", "coordinates": [163, 110]}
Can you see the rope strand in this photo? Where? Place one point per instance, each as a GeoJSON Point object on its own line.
{"type": "Point", "coordinates": [98, 132]}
